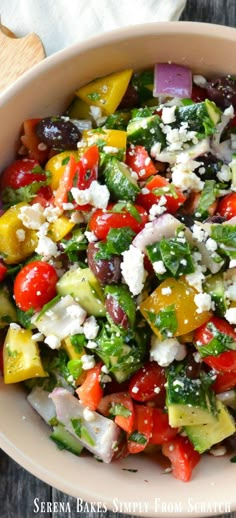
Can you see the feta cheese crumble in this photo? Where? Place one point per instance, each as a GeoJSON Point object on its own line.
{"type": "Point", "coordinates": [230, 315]}
{"type": "Point", "coordinates": [132, 269]}
{"type": "Point", "coordinates": [166, 351]}
{"type": "Point", "coordinates": [32, 216]}
{"type": "Point", "coordinates": [96, 195]}
{"type": "Point", "coordinates": [203, 302]}
{"type": "Point", "coordinates": [90, 328]}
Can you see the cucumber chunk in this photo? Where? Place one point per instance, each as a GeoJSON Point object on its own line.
{"type": "Point", "coordinates": [204, 436]}
{"type": "Point", "coordinates": [189, 401]}
{"type": "Point", "coordinates": [83, 286]}
{"type": "Point", "coordinates": [7, 309]}
{"type": "Point", "coordinates": [65, 440]}
{"type": "Point", "coordinates": [214, 285]}
{"type": "Point", "coordinates": [146, 132]}
{"type": "Point", "coordinates": [119, 181]}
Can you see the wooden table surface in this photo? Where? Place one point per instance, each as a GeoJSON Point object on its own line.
{"type": "Point", "coordinates": [18, 488]}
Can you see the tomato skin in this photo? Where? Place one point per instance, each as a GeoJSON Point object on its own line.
{"type": "Point", "coordinates": [78, 171]}
{"type": "Point", "coordinates": [149, 199]}
{"type": "Point", "coordinates": [162, 432]}
{"type": "Point", "coordinates": [143, 383]}
{"type": "Point", "coordinates": [138, 159]}
{"type": "Point", "coordinates": [143, 423]}
{"type": "Point", "coordinates": [3, 271]}
{"type": "Point", "coordinates": [102, 221]}
{"type": "Point", "coordinates": [225, 361]}
{"type": "Point", "coordinates": [35, 285]}
{"type": "Point", "coordinates": [91, 392]}
{"type": "Point", "coordinates": [224, 381]}
{"type": "Point", "coordinates": [122, 398]}
{"type": "Point", "coordinates": [183, 457]}
{"type": "Point", "coordinates": [19, 174]}
{"type": "Point", "coordinates": [227, 206]}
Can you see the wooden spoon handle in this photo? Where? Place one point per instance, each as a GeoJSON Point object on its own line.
{"type": "Point", "coordinates": [17, 55]}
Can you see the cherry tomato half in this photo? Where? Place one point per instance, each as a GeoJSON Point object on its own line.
{"type": "Point", "coordinates": [35, 285]}
{"type": "Point", "coordinates": [225, 361]}
{"type": "Point", "coordinates": [173, 201]}
{"type": "Point", "coordinates": [227, 206]}
{"type": "Point", "coordinates": [161, 432]}
{"type": "Point", "coordinates": [183, 457]}
{"type": "Point", "coordinates": [224, 381]}
{"type": "Point", "coordinates": [143, 424]}
{"type": "Point", "coordinates": [103, 220]}
{"type": "Point", "coordinates": [146, 383]}
{"type": "Point", "coordinates": [20, 173]}
{"type": "Point", "coordinates": [138, 159]}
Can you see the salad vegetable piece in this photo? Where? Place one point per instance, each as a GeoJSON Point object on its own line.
{"type": "Point", "coordinates": [118, 267]}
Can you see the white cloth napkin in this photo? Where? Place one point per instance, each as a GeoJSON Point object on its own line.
{"type": "Point", "coordinates": [59, 23]}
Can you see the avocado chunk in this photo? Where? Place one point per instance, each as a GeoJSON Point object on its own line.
{"type": "Point", "coordinates": [83, 286]}
{"type": "Point", "coordinates": [65, 441]}
{"type": "Point", "coordinates": [204, 436]}
{"type": "Point", "coordinates": [119, 180]}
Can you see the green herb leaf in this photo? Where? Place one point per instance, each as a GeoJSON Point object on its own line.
{"type": "Point", "coordinates": [24, 317]}
{"type": "Point", "coordinates": [13, 196]}
{"type": "Point", "coordinates": [75, 368]}
{"type": "Point", "coordinates": [73, 246]}
{"type": "Point", "coordinates": [118, 240]}
{"type": "Point", "coordinates": [119, 409]}
{"type": "Point", "coordinates": [94, 96]}
{"type": "Point", "coordinates": [65, 160]}
{"type": "Point", "coordinates": [137, 437]}
{"type": "Point", "coordinates": [225, 236]}
{"type": "Point", "coordinates": [79, 342]}
{"type": "Point", "coordinates": [208, 196]}
{"type": "Point", "coordinates": [220, 343]}
{"type": "Point", "coordinates": [81, 431]}
{"type": "Point", "coordinates": [165, 321]}
{"type": "Point", "coordinates": [176, 256]}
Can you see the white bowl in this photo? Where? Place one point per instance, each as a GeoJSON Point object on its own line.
{"type": "Point", "coordinates": [46, 90]}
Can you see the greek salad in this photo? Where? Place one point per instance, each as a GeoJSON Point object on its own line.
{"type": "Point", "coordinates": [118, 267]}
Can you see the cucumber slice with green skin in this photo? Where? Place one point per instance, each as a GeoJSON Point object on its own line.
{"type": "Point", "coordinates": [146, 132]}
{"type": "Point", "coordinates": [65, 441]}
{"type": "Point", "coordinates": [119, 181]}
{"type": "Point", "coordinates": [204, 436]}
{"type": "Point", "coordinates": [214, 285]}
{"type": "Point", "coordinates": [83, 286]}
{"type": "Point", "coordinates": [7, 309]}
{"type": "Point", "coordinates": [189, 401]}
{"type": "Point", "coordinates": [200, 117]}
{"type": "Point", "coordinates": [124, 299]}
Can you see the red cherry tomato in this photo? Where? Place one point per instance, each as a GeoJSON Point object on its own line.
{"type": "Point", "coordinates": [32, 142]}
{"type": "Point", "coordinates": [43, 196]}
{"type": "Point", "coordinates": [3, 271]}
{"type": "Point", "coordinates": [162, 431]}
{"type": "Point", "coordinates": [144, 382]}
{"type": "Point", "coordinates": [119, 398]}
{"type": "Point", "coordinates": [173, 202]}
{"type": "Point", "coordinates": [103, 220]}
{"type": "Point", "coordinates": [227, 206]}
{"type": "Point", "coordinates": [183, 457]}
{"type": "Point", "coordinates": [198, 94]}
{"type": "Point", "coordinates": [143, 423]}
{"type": "Point", "coordinates": [224, 381]}
{"type": "Point", "coordinates": [225, 361]}
{"type": "Point", "coordinates": [91, 392]}
{"type": "Point", "coordinates": [78, 174]}
{"type": "Point", "coordinates": [138, 159]}
{"type": "Point", "coordinates": [35, 285]}
{"type": "Point", "coordinates": [20, 173]}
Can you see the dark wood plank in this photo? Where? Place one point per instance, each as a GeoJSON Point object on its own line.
{"type": "Point", "coordinates": [18, 488]}
{"type": "Point", "coordinates": [222, 12]}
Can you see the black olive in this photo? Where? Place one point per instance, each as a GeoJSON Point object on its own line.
{"type": "Point", "coordinates": [186, 219]}
{"type": "Point", "coordinates": [130, 99]}
{"type": "Point", "coordinates": [222, 91]}
{"type": "Point", "coordinates": [58, 133]}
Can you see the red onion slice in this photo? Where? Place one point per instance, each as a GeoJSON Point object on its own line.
{"type": "Point", "coordinates": [172, 80]}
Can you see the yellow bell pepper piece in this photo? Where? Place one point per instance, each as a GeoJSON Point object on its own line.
{"type": "Point", "coordinates": [21, 358]}
{"type": "Point", "coordinates": [56, 166]}
{"type": "Point", "coordinates": [106, 92]}
{"type": "Point", "coordinates": [60, 228]}
{"type": "Point", "coordinates": [113, 138]}
{"type": "Point", "coordinates": [71, 349]}
{"type": "Point", "coordinates": [181, 297]}
{"type": "Point", "coordinates": [12, 248]}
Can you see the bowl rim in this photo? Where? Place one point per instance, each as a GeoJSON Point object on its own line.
{"type": "Point", "coordinates": [129, 32]}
